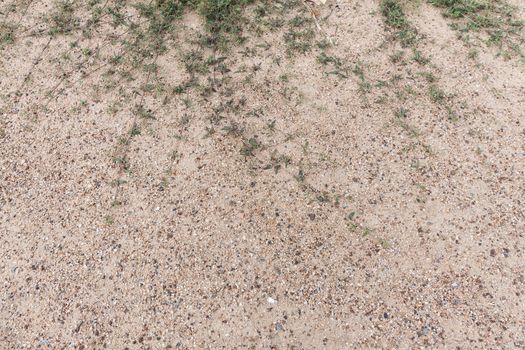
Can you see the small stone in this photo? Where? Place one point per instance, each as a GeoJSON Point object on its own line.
{"type": "Point", "coordinates": [493, 252]}
{"type": "Point", "coordinates": [311, 216]}
{"type": "Point", "coordinates": [271, 300]}
{"type": "Point", "coordinates": [423, 332]}
{"type": "Point", "coordinates": [278, 327]}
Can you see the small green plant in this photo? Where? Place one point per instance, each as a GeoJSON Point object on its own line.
{"type": "Point", "coordinates": [63, 20]}
{"type": "Point", "coordinates": [122, 162]}
{"type": "Point", "coordinates": [400, 119]}
{"type": "Point", "coordinates": [7, 34]}
{"type": "Point", "coordinates": [323, 198]}
{"type": "Point", "coordinates": [495, 19]}
{"type": "Point", "coordinates": [364, 85]}
{"type": "Point", "coordinates": [419, 58]}
{"type": "Point", "coordinates": [350, 221]}
{"type": "Point", "coordinates": [298, 41]}
{"type": "Point", "coordinates": [249, 147]}
{"type": "Point", "coordinates": [195, 63]}
{"type": "Point", "coordinates": [395, 18]}
{"type": "Point", "coordinates": [135, 131]}
{"type": "Point", "coordinates": [108, 220]}
{"type": "Point", "coordinates": [393, 14]}
{"type": "Point", "coordinates": [325, 60]}
{"type": "Point", "coordinates": [437, 94]}
{"type": "Point", "coordinates": [300, 177]}
{"type": "Point", "coordinates": [336, 63]}
{"type": "Point", "coordinates": [397, 56]}
{"type": "Point", "coordinates": [144, 113]}
{"type": "Point", "coordinates": [458, 8]}
{"type": "Point", "coordinates": [385, 244]}
{"type": "Point", "coordinates": [473, 54]}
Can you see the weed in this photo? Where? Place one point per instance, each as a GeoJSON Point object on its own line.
{"type": "Point", "coordinates": [364, 85]}
{"type": "Point", "coordinates": [419, 58]}
{"type": "Point", "coordinates": [494, 18]}
{"type": "Point", "coordinates": [234, 129]}
{"type": "Point", "coordinates": [195, 63]}
{"type": "Point", "coordinates": [63, 21]}
{"type": "Point", "coordinates": [223, 19]}
{"type": "Point", "coordinates": [144, 113]}
{"type": "Point", "coordinates": [393, 14]}
{"type": "Point", "coordinates": [323, 198]}
{"type": "Point", "coordinates": [300, 177]}
{"type": "Point", "coordinates": [385, 244]}
{"type": "Point", "coordinates": [135, 131]}
{"type": "Point", "coordinates": [335, 62]}
{"type": "Point", "coordinates": [397, 57]}
{"type": "Point", "coordinates": [271, 125]}
{"type": "Point", "coordinates": [395, 18]}
{"type": "Point", "coordinates": [458, 8]}
{"type": "Point", "coordinates": [7, 34]}
{"type": "Point", "coordinates": [298, 40]}
{"type": "Point", "coordinates": [249, 147]}
{"type": "Point", "coordinates": [284, 77]}
{"type": "Point", "coordinates": [428, 76]}
{"type": "Point", "coordinates": [278, 160]}
{"type": "Point", "coordinates": [437, 94]}
{"type": "Point", "coordinates": [118, 182]}
{"type": "Point", "coordinates": [122, 162]}
{"type": "Point", "coordinates": [400, 119]}
{"type": "Point", "coordinates": [108, 220]}
{"type": "Point", "coordinates": [325, 60]}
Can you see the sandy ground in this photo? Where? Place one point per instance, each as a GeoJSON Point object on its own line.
{"type": "Point", "coordinates": [345, 228]}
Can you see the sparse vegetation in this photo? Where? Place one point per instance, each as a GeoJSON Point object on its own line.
{"type": "Point", "coordinates": [395, 18]}
{"type": "Point", "coordinates": [193, 158]}
{"type": "Point", "coordinates": [494, 20]}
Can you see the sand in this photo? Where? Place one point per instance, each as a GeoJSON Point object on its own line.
{"type": "Point", "coordinates": [284, 207]}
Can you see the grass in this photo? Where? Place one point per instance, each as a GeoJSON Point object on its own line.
{"type": "Point", "coordinates": [63, 20]}
{"type": "Point", "coordinates": [299, 41]}
{"type": "Point", "coordinates": [420, 58]}
{"type": "Point", "coordinates": [364, 85]}
{"type": "Point", "coordinates": [494, 20]}
{"type": "Point", "coordinates": [335, 63]}
{"type": "Point", "coordinates": [250, 146]}
{"type": "Point", "coordinates": [400, 119]}
{"type": "Point", "coordinates": [436, 94]}
{"type": "Point", "coordinates": [395, 18]}
{"type": "Point", "coordinates": [393, 14]}
{"type": "Point", "coordinates": [206, 62]}
{"type": "Point", "coordinates": [223, 18]}
{"type": "Point", "coordinates": [7, 34]}
{"type": "Point", "coordinates": [458, 8]}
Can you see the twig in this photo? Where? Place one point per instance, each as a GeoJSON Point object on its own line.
{"type": "Point", "coordinates": [312, 12]}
